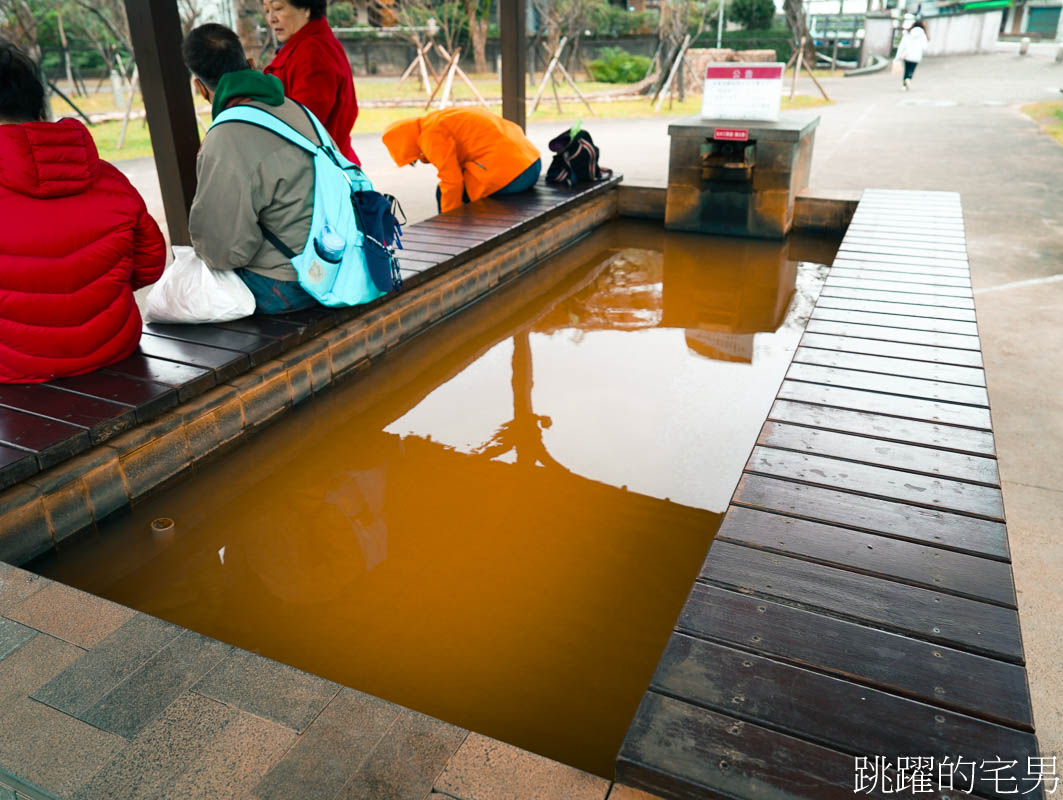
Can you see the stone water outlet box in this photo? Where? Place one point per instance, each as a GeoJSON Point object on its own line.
{"type": "Point", "coordinates": [738, 177]}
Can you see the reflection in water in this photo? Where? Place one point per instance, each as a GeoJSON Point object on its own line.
{"type": "Point", "coordinates": [498, 523]}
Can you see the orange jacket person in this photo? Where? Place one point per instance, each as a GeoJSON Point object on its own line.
{"type": "Point", "coordinates": [475, 152]}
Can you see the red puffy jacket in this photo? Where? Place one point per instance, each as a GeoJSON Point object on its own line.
{"type": "Point", "coordinates": [75, 241]}
{"type": "Point", "coordinates": [314, 69]}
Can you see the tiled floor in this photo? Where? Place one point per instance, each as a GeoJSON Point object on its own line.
{"type": "Point", "coordinates": [99, 701]}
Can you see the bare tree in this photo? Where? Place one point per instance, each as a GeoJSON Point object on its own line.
{"type": "Point", "coordinates": [478, 13]}
{"type": "Point", "coordinates": [111, 15]}
{"type": "Point", "coordinates": [562, 18]}
{"type": "Point", "coordinates": [20, 22]}
{"type": "Point", "coordinates": [256, 40]}
{"type": "Point", "coordinates": [795, 17]}
{"type": "Point", "coordinates": [190, 12]}
{"type": "Point", "coordinates": [447, 18]}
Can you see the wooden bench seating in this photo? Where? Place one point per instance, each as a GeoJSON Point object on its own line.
{"type": "Point", "coordinates": [42, 425]}
{"type": "Point", "coordinates": [858, 599]}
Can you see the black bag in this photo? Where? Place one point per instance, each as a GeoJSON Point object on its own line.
{"type": "Point", "coordinates": [576, 160]}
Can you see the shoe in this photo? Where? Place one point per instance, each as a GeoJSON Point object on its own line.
{"type": "Point", "coordinates": [906, 82]}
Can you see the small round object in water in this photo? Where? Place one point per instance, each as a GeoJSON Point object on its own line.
{"type": "Point", "coordinates": [162, 525]}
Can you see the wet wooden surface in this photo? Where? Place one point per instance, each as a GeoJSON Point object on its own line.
{"type": "Point", "coordinates": [42, 425]}
{"type": "Point", "coordinates": [858, 599]}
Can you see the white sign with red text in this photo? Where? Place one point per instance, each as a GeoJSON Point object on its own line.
{"type": "Point", "coordinates": [737, 90]}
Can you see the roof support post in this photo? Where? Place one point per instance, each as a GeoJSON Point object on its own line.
{"type": "Point", "coordinates": [513, 23]}
{"type": "Point", "coordinates": [155, 30]}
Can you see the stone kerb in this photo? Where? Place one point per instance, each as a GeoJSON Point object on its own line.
{"type": "Point", "coordinates": [73, 496]}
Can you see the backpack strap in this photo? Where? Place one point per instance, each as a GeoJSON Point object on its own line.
{"type": "Point", "coordinates": [273, 239]}
{"type": "Point", "coordinates": [260, 118]}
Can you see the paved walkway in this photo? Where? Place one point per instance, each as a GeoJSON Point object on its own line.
{"type": "Point", "coordinates": [959, 129]}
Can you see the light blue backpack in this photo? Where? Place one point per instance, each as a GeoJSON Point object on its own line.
{"type": "Point", "coordinates": [337, 263]}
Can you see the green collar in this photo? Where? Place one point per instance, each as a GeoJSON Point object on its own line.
{"type": "Point", "coordinates": [247, 84]}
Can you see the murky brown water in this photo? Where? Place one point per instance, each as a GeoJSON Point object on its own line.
{"type": "Point", "coordinates": [498, 523]}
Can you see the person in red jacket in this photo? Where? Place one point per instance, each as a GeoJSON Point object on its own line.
{"type": "Point", "coordinates": [313, 67]}
{"type": "Point", "coordinates": [75, 241]}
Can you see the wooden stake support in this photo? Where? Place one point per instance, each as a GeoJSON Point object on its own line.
{"type": "Point", "coordinates": [575, 88]}
{"type": "Point", "coordinates": [461, 74]}
{"type": "Point", "coordinates": [448, 77]}
{"type": "Point", "coordinates": [549, 72]}
{"type": "Point", "coordinates": [133, 86]}
{"type": "Point", "coordinates": [667, 88]}
{"type": "Point", "coordinates": [797, 68]}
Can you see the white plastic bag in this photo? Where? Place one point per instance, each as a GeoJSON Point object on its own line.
{"type": "Point", "coordinates": [190, 291]}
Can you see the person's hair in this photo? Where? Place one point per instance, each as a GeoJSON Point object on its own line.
{"type": "Point", "coordinates": [317, 8]}
{"type": "Point", "coordinates": [921, 27]}
{"type": "Point", "coordinates": [21, 92]}
{"type": "Point", "coordinates": [212, 50]}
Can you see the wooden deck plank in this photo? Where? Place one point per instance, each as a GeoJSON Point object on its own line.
{"type": "Point", "coordinates": [882, 284]}
{"type": "Point", "coordinates": [830, 711]}
{"type": "Point", "coordinates": [897, 429]}
{"type": "Point", "coordinates": [932, 228]}
{"type": "Point", "coordinates": [420, 231]}
{"type": "Point", "coordinates": [913, 523]}
{"type": "Point", "coordinates": [889, 405]}
{"type": "Point", "coordinates": [467, 228]}
{"type": "Point", "coordinates": [921, 278]}
{"type": "Point", "coordinates": [943, 373]}
{"type": "Point", "coordinates": [913, 219]}
{"type": "Point", "coordinates": [101, 418]}
{"type": "Point", "coordinates": [680, 750]}
{"type": "Point", "coordinates": [988, 630]}
{"type": "Point", "coordinates": [900, 247]}
{"type": "Point", "coordinates": [904, 309]}
{"type": "Point", "coordinates": [421, 261]}
{"type": "Point", "coordinates": [896, 216]}
{"type": "Point", "coordinates": [188, 380]}
{"type": "Point", "coordinates": [916, 212]}
{"type": "Point", "coordinates": [426, 244]}
{"type": "Point", "coordinates": [928, 672]}
{"type": "Point", "coordinates": [899, 258]}
{"type": "Point", "coordinates": [908, 298]}
{"type": "Point", "coordinates": [49, 440]}
{"type": "Point", "coordinates": [893, 320]}
{"type": "Point", "coordinates": [933, 568]}
{"type": "Point", "coordinates": [226, 364]}
{"type": "Point", "coordinates": [288, 332]}
{"type": "Point", "coordinates": [880, 452]}
{"type": "Point", "coordinates": [900, 271]}
{"type": "Point", "coordinates": [15, 465]}
{"type": "Point", "coordinates": [856, 240]}
{"type": "Point", "coordinates": [900, 335]}
{"type": "Point", "coordinates": [888, 483]}
{"type": "Point", "coordinates": [885, 233]}
{"type": "Point", "coordinates": [259, 348]}
{"type": "Point", "coordinates": [886, 349]}
{"type": "Point", "coordinates": [889, 384]}
{"type": "Point", "coordinates": [147, 398]}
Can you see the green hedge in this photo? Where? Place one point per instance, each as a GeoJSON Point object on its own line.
{"type": "Point", "coordinates": [618, 66]}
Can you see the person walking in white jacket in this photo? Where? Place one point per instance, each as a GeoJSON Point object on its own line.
{"type": "Point", "coordinates": [912, 47]}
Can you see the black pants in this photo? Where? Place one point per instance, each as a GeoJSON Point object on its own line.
{"type": "Point", "coordinates": [909, 69]}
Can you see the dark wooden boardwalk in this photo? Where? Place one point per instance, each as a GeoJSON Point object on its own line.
{"type": "Point", "coordinates": [858, 600]}
{"type": "Point", "coordinates": [42, 425]}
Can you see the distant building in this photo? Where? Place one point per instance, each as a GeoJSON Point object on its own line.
{"type": "Point", "coordinates": [1038, 17]}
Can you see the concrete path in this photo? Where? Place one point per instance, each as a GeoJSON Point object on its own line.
{"type": "Point", "coordinates": [958, 129]}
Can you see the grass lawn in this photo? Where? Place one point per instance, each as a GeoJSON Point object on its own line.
{"type": "Point", "coordinates": [1049, 116]}
{"type": "Point", "coordinates": [375, 119]}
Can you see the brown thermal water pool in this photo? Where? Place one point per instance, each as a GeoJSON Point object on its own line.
{"type": "Point", "coordinates": [497, 523]}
